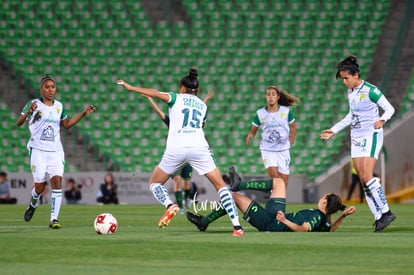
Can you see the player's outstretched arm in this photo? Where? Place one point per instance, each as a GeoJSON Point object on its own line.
{"type": "Point", "coordinates": [349, 211]}
{"type": "Point", "coordinates": [251, 134]}
{"type": "Point", "coordinates": [145, 91]}
{"type": "Point", "coordinates": [293, 131]}
{"type": "Point", "coordinates": [67, 123]}
{"type": "Point", "coordinates": [327, 134]}
{"type": "Point", "coordinates": [155, 107]}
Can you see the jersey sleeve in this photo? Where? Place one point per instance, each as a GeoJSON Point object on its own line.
{"type": "Point", "coordinates": [291, 117]}
{"type": "Point", "coordinates": [173, 98]}
{"type": "Point", "coordinates": [374, 94]}
{"type": "Point", "coordinates": [64, 114]}
{"type": "Point", "coordinates": [256, 120]}
{"type": "Point", "coordinates": [317, 223]}
{"type": "Point", "coordinates": [387, 107]}
{"type": "Point", "coordinates": [26, 107]}
{"type": "Point", "coordinates": [343, 123]}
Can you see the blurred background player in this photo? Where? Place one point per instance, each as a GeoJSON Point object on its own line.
{"type": "Point", "coordinates": [186, 143]}
{"type": "Point", "coordinates": [73, 193]}
{"type": "Point", "coordinates": [366, 135]}
{"type": "Point", "coordinates": [45, 116]}
{"type": "Point", "coordinates": [108, 191]}
{"type": "Point", "coordinates": [5, 197]}
{"type": "Point", "coordinates": [182, 178]}
{"type": "Point", "coordinates": [278, 132]}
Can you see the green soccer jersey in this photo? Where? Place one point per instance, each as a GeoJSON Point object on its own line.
{"type": "Point", "coordinates": [313, 217]}
{"type": "Point", "coordinates": [264, 219]}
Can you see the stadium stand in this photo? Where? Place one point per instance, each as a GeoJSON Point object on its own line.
{"type": "Point", "coordinates": [240, 47]}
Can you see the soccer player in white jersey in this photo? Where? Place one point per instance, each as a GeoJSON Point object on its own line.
{"type": "Point", "coordinates": [278, 133]}
{"type": "Point", "coordinates": [186, 172]}
{"type": "Point", "coordinates": [45, 116]}
{"type": "Point", "coordinates": [186, 143]}
{"type": "Point", "coordinates": [366, 135]}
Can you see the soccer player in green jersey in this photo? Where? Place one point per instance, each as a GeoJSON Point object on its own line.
{"type": "Point", "coordinates": [366, 135]}
{"type": "Point", "coordinates": [273, 216]}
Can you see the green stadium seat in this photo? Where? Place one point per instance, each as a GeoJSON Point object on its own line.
{"type": "Point", "coordinates": [237, 50]}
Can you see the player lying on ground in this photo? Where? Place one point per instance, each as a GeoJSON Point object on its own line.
{"type": "Point", "coordinates": [274, 217]}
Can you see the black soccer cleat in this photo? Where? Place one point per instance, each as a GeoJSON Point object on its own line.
{"type": "Point", "coordinates": [196, 220]}
{"type": "Point", "coordinates": [384, 221]}
{"type": "Point", "coordinates": [235, 179]}
{"type": "Point", "coordinates": [28, 214]}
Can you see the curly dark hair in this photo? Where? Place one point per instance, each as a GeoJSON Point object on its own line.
{"type": "Point", "coordinates": [285, 98]}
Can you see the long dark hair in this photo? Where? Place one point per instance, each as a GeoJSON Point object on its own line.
{"type": "Point", "coordinates": [334, 203]}
{"type": "Point", "coordinates": [285, 98]}
{"type": "Point", "coordinates": [190, 81]}
{"type": "Point", "coordinates": [350, 65]}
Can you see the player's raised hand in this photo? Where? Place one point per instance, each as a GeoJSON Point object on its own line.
{"type": "Point", "coordinates": [327, 134]}
{"type": "Point", "coordinates": [89, 109]}
{"type": "Point", "coordinates": [350, 210]}
{"type": "Point", "coordinates": [125, 84]}
{"type": "Point", "coordinates": [33, 107]}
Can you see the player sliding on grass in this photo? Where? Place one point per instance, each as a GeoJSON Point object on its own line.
{"type": "Point", "coordinates": [273, 217]}
{"type": "Point", "coordinates": [186, 143]}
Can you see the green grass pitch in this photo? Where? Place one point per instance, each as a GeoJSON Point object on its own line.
{"type": "Point", "coordinates": [140, 247]}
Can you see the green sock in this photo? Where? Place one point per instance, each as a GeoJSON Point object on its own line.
{"type": "Point", "coordinates": [179, 198]}
{"type": "Point", "coordinates": [260, 185]}
{"type": "Point", "coordinates": [186, 193]}
{"type": "Point", "coordinates": [213, 215]}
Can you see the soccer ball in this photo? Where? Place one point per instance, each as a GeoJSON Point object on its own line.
{"type": "Point", "coordinates": [105, 224]}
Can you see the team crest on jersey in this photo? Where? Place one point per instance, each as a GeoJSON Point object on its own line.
{"type": "Point", "coordinates": [282, 115]}
{"type": "Point", "coordinates": [48, 134]}
{"type": "Point", "coordinates": [362, 97]}
{"type": "Point", "coordinates": [58, 110]}
{"type": "Point", "coordinates": [274, 137]}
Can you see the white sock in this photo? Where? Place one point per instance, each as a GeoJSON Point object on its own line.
{"type": "Point", "coordinates": [34, 202]}
{"type": "Point", "coordinates": [377, 202]}
{"type": "Point", "coordinates": [227, 202]}
{"type": "Point", "coordinates": [55, 204]}
{"type": "Point", "coordinates": [161, 194]}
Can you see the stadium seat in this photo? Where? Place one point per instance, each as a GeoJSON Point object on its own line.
{"type": "Point", "coordinates": [238, 50]}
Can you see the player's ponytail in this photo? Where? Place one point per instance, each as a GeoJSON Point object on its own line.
{"type": "Point", "coordinates": [349, 64]}
{"type": "Point", "coordinates": [190, 82]}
